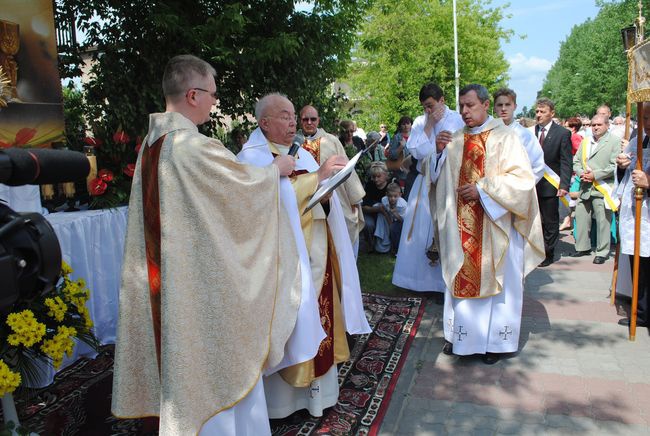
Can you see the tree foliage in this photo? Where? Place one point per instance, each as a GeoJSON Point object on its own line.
{"type": "Point", "coordinates": [405, 44]}
{"type": "Point", "coordinates": [256, 46]}
{"type": "Point", "coordinates": [591, 68]}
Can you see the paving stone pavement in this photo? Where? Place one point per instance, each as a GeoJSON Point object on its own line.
{"type": "Point", "coordinates": [576, 371]}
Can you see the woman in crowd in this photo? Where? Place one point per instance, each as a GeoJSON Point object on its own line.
{"type": "Point", "coordinates": [400, 163]}
{"type": "Point", "coordinates": [371, 206]}
{"type": "Point", "coordinates": [346, 135]}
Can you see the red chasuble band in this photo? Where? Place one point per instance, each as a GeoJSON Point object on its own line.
{"type": "Point", "coordinates": [467, 283]}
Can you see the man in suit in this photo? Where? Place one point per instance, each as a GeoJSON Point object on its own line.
{"type": "Point", "coordinates": [594, 163]}
{"type": "Point", "coordinates": [556, 143]}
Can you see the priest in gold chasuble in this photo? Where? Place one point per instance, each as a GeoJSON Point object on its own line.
{"type": "Point", "coordinates": [485, 210]}
{"type": "Point", "coordinates": [322, 145]}
{"type": "Point", "coordinates": [331, 304]}
{"type": "Point", "coordinates": [201, 315]}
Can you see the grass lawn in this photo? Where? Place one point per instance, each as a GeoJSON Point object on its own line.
{"type": "Point", "coordinates": [376, 273]}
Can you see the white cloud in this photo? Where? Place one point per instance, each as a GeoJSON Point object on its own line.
{"type": "Point", "coordinates": [527, 76]}
{"type": "Point", "coordinates": [521, 65]}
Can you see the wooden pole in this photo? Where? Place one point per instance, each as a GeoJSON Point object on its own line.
{"type": "Point", "coordinates": [638, 198]}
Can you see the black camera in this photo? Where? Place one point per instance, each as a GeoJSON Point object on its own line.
{"type": "Point", "coordinates": [30, 255]}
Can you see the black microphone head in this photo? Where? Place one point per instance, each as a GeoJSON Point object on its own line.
{"type": "Point", "coordinates": [298, 139]}
{"type": "Point", "coordinates": [39, 166]}
{"type": "Point", "coordinates": [296, 144]}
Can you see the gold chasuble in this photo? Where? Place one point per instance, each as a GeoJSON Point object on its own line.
{"type": "Point", "coordinates": [472, 244]}
{"type": "Point", "coordinates": [322, 146]}
{"type": "Point", "coordinates": [205, 303]}
{"type": "Point", "coordinates": [327, 282]}
{"type": "Point", "coordinates": [470, 218]}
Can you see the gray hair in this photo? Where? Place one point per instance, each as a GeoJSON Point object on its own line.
{"type": "Point", "coordinates": [481, 92]}
{"type": "Point", "coordinates": [378, 167]}
{"type": "Point", "coordinates": [181, 70]}
{"type": "Point", "coordinates": [543, 101]}
{"type": "Point", "coordinates": [263, 103]}
{"type": "Point", "coordinates": [605, 119]}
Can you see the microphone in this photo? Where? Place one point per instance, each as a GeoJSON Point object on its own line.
{"type": "Point", "coordinates": [296, 144]}
{"type": "Point", "coordinates": [40, 166]}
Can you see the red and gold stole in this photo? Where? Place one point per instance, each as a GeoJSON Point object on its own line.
{"type": "Point", "coordinates": [467, 283]}
{"type": "Point", "coordinates": [324, 360]}
{"type": "Point", "coordinates": [151, 212]}
{"type": "Point", "coordinates": [313, 147]}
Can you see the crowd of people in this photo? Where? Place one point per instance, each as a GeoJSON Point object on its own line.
{"type": "Point", "coordinates": [235, 302]}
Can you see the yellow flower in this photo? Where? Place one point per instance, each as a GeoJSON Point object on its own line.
{"type": "Point", "coordinates": [61, 343]}
{"type": "Point", "coordinates": [26, 329]}
{"type": "Point", "coordinates": [9, 380]}
{"type": "Point", "coordinates": [65, 268]}
{"type": "Point", "coordinates": [57, 308]}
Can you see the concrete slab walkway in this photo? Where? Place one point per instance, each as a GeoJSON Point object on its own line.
{"type": "Point", "coordinates": [576, 371]}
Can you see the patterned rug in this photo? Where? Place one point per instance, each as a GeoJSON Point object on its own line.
{"type": "Point", "coordinates": [78, 402]}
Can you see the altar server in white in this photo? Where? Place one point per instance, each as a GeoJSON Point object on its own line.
{"type": "Point", "coordinates": [505, 103]}
{"type": "Point", "coordinates": [414, 270]}
{"type": "Point", "coordinates": [490, 236]}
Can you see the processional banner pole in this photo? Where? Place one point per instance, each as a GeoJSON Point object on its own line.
{"type": "Point", "coordinates": [638, 92]}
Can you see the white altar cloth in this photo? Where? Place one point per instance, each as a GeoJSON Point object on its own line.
{"type": "Point", "coordinates": [92, 243]}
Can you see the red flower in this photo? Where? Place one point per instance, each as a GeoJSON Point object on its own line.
{"type": "Point", "coordinates": [129, 170]}
{"type": "Point", "coordinates": [120, 137]}
{"type": "Point", "coordinates": [89, 140]}
{"type": "Point", "coordinates": [24, 135]}
{"type": "Point", "coordinates": [97, 187]}
{"type": "Point", "coordinates": [105, 175]}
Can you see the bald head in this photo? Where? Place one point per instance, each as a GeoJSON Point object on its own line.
{"type": "Point", "coordinates": [277, 118]}
{"type": "Point", "coordinates": [309, 120]}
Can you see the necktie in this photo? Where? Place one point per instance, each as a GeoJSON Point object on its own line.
{"type": "Point", "coordinates": [645, 142]}
{"type": "Point", "coordinates": [541, 136]}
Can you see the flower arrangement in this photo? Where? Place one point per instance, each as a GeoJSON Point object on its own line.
{"type": "Point", "coordinates": [44, 329]}
{"type": "Point", "coordinates": [116, 162]}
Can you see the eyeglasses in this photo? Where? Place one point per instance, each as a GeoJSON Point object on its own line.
{"type": "Point", "coordinates": [213, 94]}
{"type": "Point", "coordinates": [285, 118]}
{"type": "Point", "coordinates": [307, 119]}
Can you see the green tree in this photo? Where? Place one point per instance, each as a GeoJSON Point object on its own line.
{"type": "Point", "coordinates": [405, 44]}
{"type": "Point", "coordinates": [591, 68]}
{"type": "Point", "coordinates": [256, 46]}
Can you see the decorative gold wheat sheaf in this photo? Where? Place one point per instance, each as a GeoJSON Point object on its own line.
{"type": "Point", "coordinates": [5, 89]}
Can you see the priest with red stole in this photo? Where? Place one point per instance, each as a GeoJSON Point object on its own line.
{"type": "Point", "coordinates": [308, 376]}
{"type": "Point", "coordinates": [485, 209]}
{"type": "Point", "coordinates": [205, 306]}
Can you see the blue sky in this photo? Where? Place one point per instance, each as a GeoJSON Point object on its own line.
{"type": "Point", "coordinates": [546, 24]}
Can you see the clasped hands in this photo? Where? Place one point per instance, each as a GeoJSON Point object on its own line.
{"type": "Point", "coordinates": [468, 192]}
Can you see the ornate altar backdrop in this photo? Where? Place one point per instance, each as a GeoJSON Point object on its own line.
{"type": "Point", "coordinates": [28, 56]}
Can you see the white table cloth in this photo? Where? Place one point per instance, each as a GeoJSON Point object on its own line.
{"type": "Point", "coordinates": [92, 243]}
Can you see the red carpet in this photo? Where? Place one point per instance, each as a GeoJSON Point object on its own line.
{"type": "Point", "coordinates": [78, 402]}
